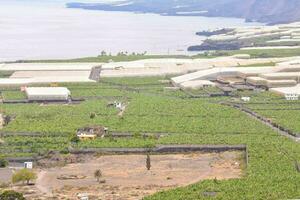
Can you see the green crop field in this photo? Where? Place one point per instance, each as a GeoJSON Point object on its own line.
{"type": "Point", "coordinates": [271, 173]}
{"type": "Point", "coordinates": [278, 110]}
{"type": "Point", "coordinates": [263, 53]}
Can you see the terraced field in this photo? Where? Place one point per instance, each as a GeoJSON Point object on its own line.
{"type": "Point", "coordinates": [278, 110]}
{"type": "Point", "coordinates": [271, 173]}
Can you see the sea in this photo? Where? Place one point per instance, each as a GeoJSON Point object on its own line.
{"type": "Point", "coordinates": [35, 29]}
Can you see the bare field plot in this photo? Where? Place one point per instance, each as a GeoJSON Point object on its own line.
{"type": "Point", "coordinates": [128, 178]}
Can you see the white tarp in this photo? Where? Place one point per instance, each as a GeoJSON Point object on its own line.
{"type": "Point", "coordinates": [47, 66]}
{"type": "Point", "coordinates": [47, 93]}
{"type": "Point", "coordinates": [287, 90]}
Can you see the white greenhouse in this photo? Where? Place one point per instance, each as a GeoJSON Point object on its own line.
{"type": "Point", "coordinates": [47, 93]}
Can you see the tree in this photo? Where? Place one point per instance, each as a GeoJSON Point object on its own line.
{"type": "Point", "coordinates": [3, 162]}
{"type": "Point", "coordinates": [24, 175]}
{"type": "Point", "coordinates": [148, 162]}
{"type": "Point", "coordinates": [11, 195]}
{"type": "Point", "coordinates": [103, 53]}
{"type": "Point", "coordinates": [98, 174]}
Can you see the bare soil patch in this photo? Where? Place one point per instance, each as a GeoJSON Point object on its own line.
{"type": "Point", "coordinates": [125, 177]}
{"type": "Point", "coordinates": [5, 175]}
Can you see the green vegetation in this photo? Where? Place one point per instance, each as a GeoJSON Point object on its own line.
{"type": "Point", "coordinates": [255, 53]}
{"type": "Point", "coordinates": [267, 64]}
{"type": "Point", "coordinates": [11, 195]}
{"type": "Point", "coordinates": [271, 172]}
{"type": "Point", "coordinates": [262, 53]}
{"type": "Point", "coordinates": [13, 95]}
{"type": "Point", "coordinates": [6, 74]}
{"type": "Point", "coordinates": [278, 110]}
{"type": "Point", "coordinates": [204, 91]}
{"type": "Point", "coordinates": [3, 162]}
{"type": "Point", "coordinates": [108, 58]}
{"type": "Point", "coordinates": [24, 175]}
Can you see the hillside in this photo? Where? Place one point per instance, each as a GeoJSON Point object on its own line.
{"type": "Point", "coordinates": [267, 11]}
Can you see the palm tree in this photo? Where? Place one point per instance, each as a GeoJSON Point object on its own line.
{"type": "Point", "coordinates": [98, 174]}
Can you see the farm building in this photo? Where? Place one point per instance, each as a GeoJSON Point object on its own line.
{"type": "Point", "coordinates": [47, 93]}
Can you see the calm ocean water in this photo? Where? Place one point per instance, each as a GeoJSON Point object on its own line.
{"type": "Point", "coordinates": [34, 29]}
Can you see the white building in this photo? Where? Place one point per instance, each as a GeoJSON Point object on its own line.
{"type": "Point", "coordinates": [47, 93]}
{"type": "Point", "coordinates": [28, 165]}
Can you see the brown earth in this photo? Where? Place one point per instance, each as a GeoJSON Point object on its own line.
{"type": "Point", "coordinates": [5, 175]}
{"type": "Point", "coordinates": [125, 177]}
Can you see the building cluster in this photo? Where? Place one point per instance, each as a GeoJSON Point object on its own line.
{"type": "Point", "coordinates": [282, 79]}
{"type": "Point", "coordinates": [278, 34]}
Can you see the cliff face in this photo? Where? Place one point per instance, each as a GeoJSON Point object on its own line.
{"type": "Point", "coordinates": [275, 11]}
{"type": "Point", "coordinates": [267, 11]}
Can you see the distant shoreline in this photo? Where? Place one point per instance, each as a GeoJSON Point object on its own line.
{"type": "Point", "coordinates": [252, 11]}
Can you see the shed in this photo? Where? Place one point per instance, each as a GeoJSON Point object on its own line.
{"type": "Point", "coordinates": [28, 165]}
{"type": "Point", "coordinates": [47, 94]}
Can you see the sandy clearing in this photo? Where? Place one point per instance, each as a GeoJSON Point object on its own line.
{"type": "Point", "coordinates": [126, 176]}
{"type": "Point", "coordinates": [5, 175]}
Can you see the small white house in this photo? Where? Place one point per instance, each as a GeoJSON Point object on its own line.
{"type": "Point", "coordinates": [292, 97]}
{"type": "Point", "coordinates": [47, 93]}
{"type": "Point", "coordinates": [246, 99]}
{"type": "Point", "coordinates": [28, 165]}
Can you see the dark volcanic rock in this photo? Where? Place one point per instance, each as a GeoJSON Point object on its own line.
{"type": "Point", "coordinates": [207, 45]}
{"type": "Point", "coordinates": [216, 32]}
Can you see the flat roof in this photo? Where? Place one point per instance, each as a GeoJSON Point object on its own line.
{"type": "Point", "coordinates": [47, 91]}
{"type": "Point", "coordinates": [287, 90]}
{"type": "Point", "coordinates": [47, 66]}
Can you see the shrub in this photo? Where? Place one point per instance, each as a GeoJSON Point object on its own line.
{"type": "Point", "coordinates": [137, 135]}
{"type": "Point", "coordinates": [98, 174]}
{"type": "Point", "coordinates": [65, 151]}
{"type": "Point", "coordinates": [11, 195]}
{"type": "Point", "coordinates": [24, 175]}
{"type": "Point", "coordinates": [3, 162]}
{"type": "Point", "coordinates": [75, 139]}
{"type": "Point", "coordinates": [92, 115]}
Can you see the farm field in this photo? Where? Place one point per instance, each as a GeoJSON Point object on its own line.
{"type": "Point", "coordinates": [270, 174]}
{"type": "Point", "coordinates": [278, 110]}
{"type": "Point", "coordinates": [255, 53]}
